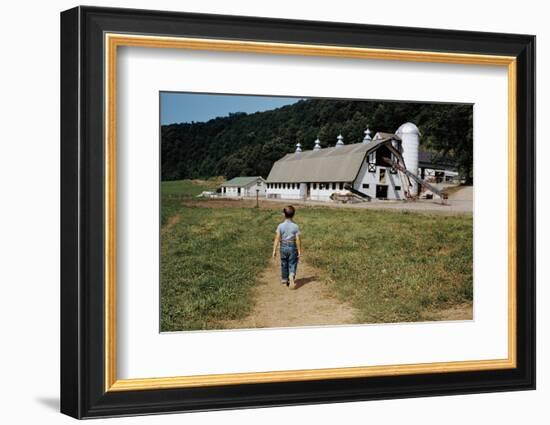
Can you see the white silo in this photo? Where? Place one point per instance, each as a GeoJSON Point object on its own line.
{"type": "Point", "coordinates": [410, 142]}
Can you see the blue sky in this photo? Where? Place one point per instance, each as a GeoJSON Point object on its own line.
{"type": "Point", "coordinates": [187, 107]}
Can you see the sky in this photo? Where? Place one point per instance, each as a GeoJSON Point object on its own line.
{"type": "Point", "coordinates": [188, 107]}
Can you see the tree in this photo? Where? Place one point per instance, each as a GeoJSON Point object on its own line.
{"type": "Point", "coordinates": [449, 132]}
{"type": "Point", "coordinates": [249, 144]}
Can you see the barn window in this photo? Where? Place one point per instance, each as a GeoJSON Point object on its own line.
{"type": "Point", "coordinates": [397, 188]}
{"type": "Point", "coordinates": [381, 153]}
{"type": "Point", "coordinates": [341, 186]}
{"type": "Point", "coordinates": [382, 177]}
{"type": "Point", "coordinates": [366, 185]}
{"type": "Point", "coordinates": [333, 186]}
{"type": "Point", "coordinates": [372, 168]}
{"type": "Point", "coordinates": [315, 186]}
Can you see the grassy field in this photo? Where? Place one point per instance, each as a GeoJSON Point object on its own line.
{"type": "Point", "coordinates": [174, 192]}
{"type": "Point", "coordinates": [208, 264]}
{"type": "Point", "coordinates": [390, 266]}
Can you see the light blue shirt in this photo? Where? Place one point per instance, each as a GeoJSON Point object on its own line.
{"type": "Point", "coordinates": [288, 230]}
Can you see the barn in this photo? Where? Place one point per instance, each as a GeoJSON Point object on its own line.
{"type": "Point", "coordinates": [243, 187]}
{"type": "Point", "coordinates": [384, 167]}
{"type": "Point", "coordinates": [434, 170]}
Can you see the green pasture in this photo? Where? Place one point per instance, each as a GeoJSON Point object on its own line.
{"type": "Point", "coordinates": [391, 266]}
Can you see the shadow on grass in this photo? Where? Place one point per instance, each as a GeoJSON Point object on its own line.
{"type": "Point", "coordinates": [304, 281]}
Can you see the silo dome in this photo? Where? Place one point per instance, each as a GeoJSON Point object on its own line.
{"type": "Point", "coordinates": [407, 128]}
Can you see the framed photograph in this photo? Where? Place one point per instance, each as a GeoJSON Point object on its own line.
{"type": "Point", "coordinates": [261, 212]}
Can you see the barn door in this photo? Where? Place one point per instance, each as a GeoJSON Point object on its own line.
{"type": "Point", "coordinates": [382, 191]}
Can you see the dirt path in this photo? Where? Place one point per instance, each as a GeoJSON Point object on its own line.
{"type": "Point", "coordinates": [172, 221]}
{"type": "Point", "coordinates": [462, 193]}
{"type": "Point", "coordinates": [455, 204]}
{"type": "Point", "coordinates": [308, 305]}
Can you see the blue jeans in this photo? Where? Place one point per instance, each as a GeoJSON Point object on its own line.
{"type": "Point", "coordinates": [289, 260]}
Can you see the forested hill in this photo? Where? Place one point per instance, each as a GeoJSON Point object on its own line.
{"type": "Point", "coordinates": [248, 144]}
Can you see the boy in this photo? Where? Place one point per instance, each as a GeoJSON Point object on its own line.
{"type": "Point", "coordinates": [288, 237]}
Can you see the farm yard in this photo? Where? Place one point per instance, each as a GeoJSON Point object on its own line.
{"type": "Point", "coordinates": [359, 265]}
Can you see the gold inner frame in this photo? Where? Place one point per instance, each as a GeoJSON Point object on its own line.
{"type": "Point", "coordinates": [113, 41]}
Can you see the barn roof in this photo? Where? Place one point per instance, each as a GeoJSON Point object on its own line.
{"type": "Point", "coordinates": [241, 181]}
{"type": "Point", "coordinates": [335, 164]}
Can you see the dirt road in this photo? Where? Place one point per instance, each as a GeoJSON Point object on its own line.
{"type": "Point", "coordinates": [309, 304]}
{"type": "Point", "coordinates": [459, 203]}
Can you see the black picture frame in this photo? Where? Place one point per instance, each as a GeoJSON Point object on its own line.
{"type": "Point", "coordinates": [83, 392]}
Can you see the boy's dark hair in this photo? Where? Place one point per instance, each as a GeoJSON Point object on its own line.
{"type": "Point", "coordinates": [289, 211]}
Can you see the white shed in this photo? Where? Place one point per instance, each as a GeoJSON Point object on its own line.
{"type": "Point", "coordinates": [244, 187]}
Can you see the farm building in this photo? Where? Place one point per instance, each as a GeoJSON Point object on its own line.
{"type": "Point", "coordinates": [388, 166]}
{"type": "Point", "coordinates": [433, 170]}
{"type": "Point", "coordinates": [242, 187]}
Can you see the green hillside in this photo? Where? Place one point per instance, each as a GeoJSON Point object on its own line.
{"type": "Point", "coordinates": [248, 144]}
